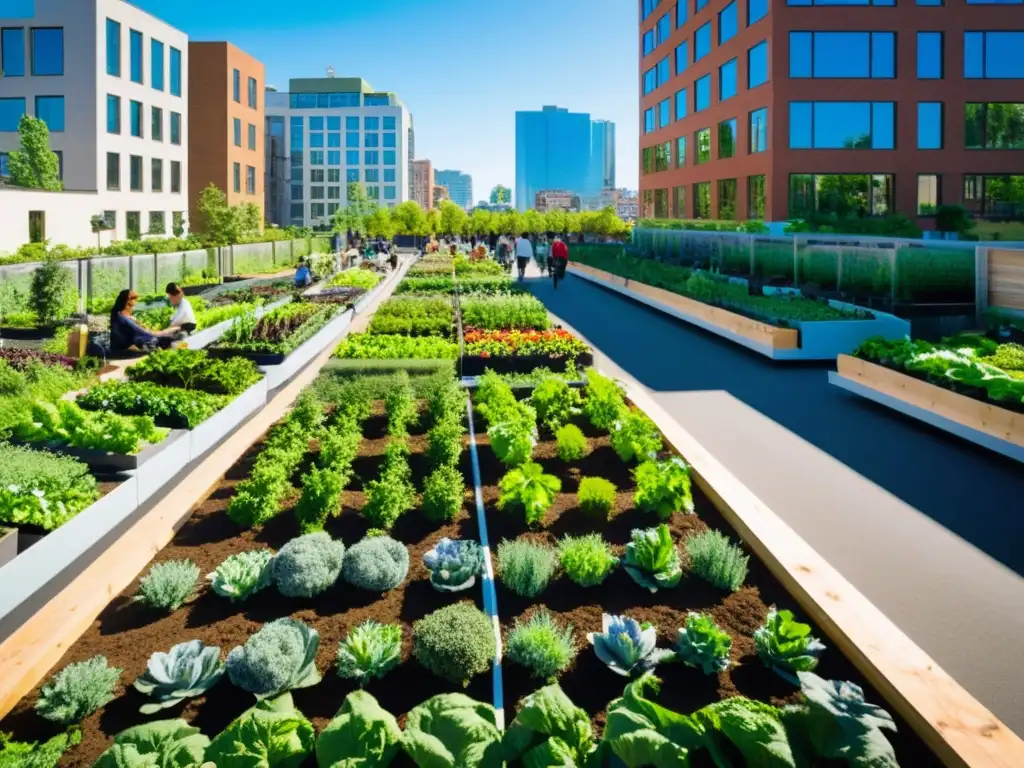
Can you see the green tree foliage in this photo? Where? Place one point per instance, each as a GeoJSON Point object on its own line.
{"type": "Point", "coordinates": [34, 166]}
{"type": "Point", "coordinates": [357, 209]}
{"type": "Point", "coordinates": [453, 218]}
{"type": "Point", "coordinates": [223, 224]}
{"type": "Point", "coordinates": [501, 195]}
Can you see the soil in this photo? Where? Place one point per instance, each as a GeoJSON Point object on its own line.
{"type": "Point", "coordinates": [588, 682]}
{"type": "Point", "coordinates": [127, 633]}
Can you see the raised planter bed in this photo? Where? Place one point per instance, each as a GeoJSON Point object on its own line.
{"type": "Point", "coordinates": [984, 424]}
{"type": "Point", "coordinates": [819, 340]}
{"type": "Point", "coordinates": [279, 368]}
{"type": "Point", "coordinates": [210, 432]}
{"type": "Point", "coordinates": [475, 365]}
{"type": "Point", "coordinates": [8, 545]}
{"type": "Point", "coordinates": [20, 333]}
{"type": "Point", "coordinates": [207, 336]}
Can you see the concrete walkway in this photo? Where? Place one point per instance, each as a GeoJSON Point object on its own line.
{"type": "Point", "coordinates": [926, 526]}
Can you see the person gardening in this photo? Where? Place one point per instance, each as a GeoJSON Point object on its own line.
{"type": "Point", "coordinates": [125, 331]}
{"type": "Point", "coordinates": [183, 318]}
{"type": "Point", "coordinates": [303, 277]}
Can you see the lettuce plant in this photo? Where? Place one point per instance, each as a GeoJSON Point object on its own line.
{"type": "Point", "coordinates": [78, 690]}
{"type": "Point", "coordinates": [272, 734]}
{"type": "Point", "coordinates": [702, 643]}
{"type": "Point", "coordinates": [454, 564]}
{"type": "Point", "coordinates": [513, 441]}
{"type": "Point", "coordinates": [786, 645]}
{"type": "Point", "coordinates": [663, 487]}
{"type": "Point", "coordinates": [452, 730]}
{"type": "Point", "coordinates": [529, 489]}
{"type": "Point", "coordinates": [31, 754]}
{"type": "Point", "coordinates": [168, 585]}
{"type": "Point", "coordinates": [604, 402]}
{"type": "Point", "coordinates": [652, 559]}
{"type": "Point", "coordinates": [555, 402]}
{"type": "Point", "coordinates": [363, 733]}
{"type": "Point", "coordinates": [587, 560]}
{"type": "Point", "coordinates": [280, 656]}
{"type": "Point", "coordinates": [549, 730]}
{"type": "Point", "coordinates": [242, 574]}
{"type": "Point", "coordinates": [635, 436]}
{"type": "Point", "coordinates": [160, 744]}
{"type": "Point", "coordinates": [187, 670]}
{"type": "Point", "coordinates": [626, 645]}
{"type": "Point", "coordinates": [371, 650]}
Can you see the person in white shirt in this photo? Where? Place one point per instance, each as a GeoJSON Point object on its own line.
{"type": "Point", "coordinates": [183, 318]}
{"type": "Point", "coordinates": [524, 252]}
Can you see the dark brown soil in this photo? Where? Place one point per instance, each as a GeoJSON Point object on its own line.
{"type": "Point", "coordinates": [588, 682]}
{"type": "Point", "coordinates": [128, 633]}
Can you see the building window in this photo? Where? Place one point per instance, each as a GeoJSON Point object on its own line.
{"type": "Point", "coordinates": [702, 93]}
{"type": "Point", "coordinates": [250, 180]}
{"type": "Point", "coordinates": [60, 164]}
{"type": "Point", "coordinates": [351, 175]}
{"type": "Point", "coordinates": [352, 157]}
{"type": "Point", "coordinates": [296, 192]}
{"type": "Point", "coordinates": [237, 126]}
{"type": "Point", "coordinates": [929, 55]}
{"type": "Point", "coordinates": [389, 123]}
{"type": "Point", "coordinates": [649, 120]}
{"type": "Point", "coordinates": [646, 161]}
{"type": "Point", "coordinates": [664, 113]}
{"type": "Point", "coordinates": [727, 139]}
{"type": "Point", "coordinates": [996, 196]}
{"type": "Point", "coordinates": [647, 7]}
{"type": "Point", "coordinates": [135, 173]}
{"type": "Point", "coordinates": [756, 10]}
{"type": "Point", "coordinates": [390, 193]}
{"type": "Point", "coordinates": [316, 176]}
{"type": "Point", "coordinates": [755, 197]}
{"type": "Point", "coordinates": [371, 157]}
{"type": "Point", "coordinates": [929, 125]}
{"type": "Point", "coordinates": [333, 157]}
{"type": "Point", "coordinates": [37, 226]}
{"type": "Point", "coordinates": [664, 70]}
{"type": "Point", "coordinates": [702, 140]}
{"type": "Point", "coordinates": [390, 175]}
{"type": "Point", "coordinates": [157, 223]}
{"type": "Point", "coordinates": [156, 173]}
{"type": "Point", "coordinates": [316, 123]}
{"type": "Point", "coordinates": [157, 124]}
{"type": "Point", "coordinates": [352, 140]}
{"type": "Point", "coordinates": [372, 175]}
{"type": "Point", "coordinates": [702, 200]}
{"type": "Point", "coordinates": [334, 193]}
{"type": "Point", "coordinates": [662, 156]}
{"type": "Point", "coordinates": [113, 49]}
{"type": "Point", "coordinates": [927, 194]}
{"type": "Point", "coordinates": [648, 41]}
{"type": "Point", "coordinates": [113, 171]}
{"type": "Point", "coordinates": [156, 64]}
{"type": "Point", "coordinates": [702, 42]}
{"type": "Point", "coordinates": [650, 80]}
{"type": "Point", "coordinates": [681, 103]}
{"type": "Point", "coordinates": [698, 5]}
{"type": "Point", "coordinates": [236, 86]}
{"type": "Point", "coordinates": [133, 224]}
{"type": "Point", "coordinates": [994, 126]}
{"type": "Point", "coordinates": [334, 175]}
{"type": "Point", "coordinates": [680, 152]}
{"type": "Point", "coordinates": [135, 113]}
{"type": "Point", "coordinates": [316, 210]}
{"type": "Point", "coordinates": [175, 72]}
{"type": "Point", "coordinates": [113, 114]}
{"type": "Point", "coordinates": [50, 109]}
{"type": "Point", "coordinates": [252, 136]}
{"type": "Point", "coordinates": [679, 202]}
{"type": "Point", "coordinates": [390, 140]}
{"type": "Point", "coordinates": [12, 51]}
{"type": "Point", "coordinates": [48, 51]}
{"type": "Point", "coordinates": [175, 176]}
{"type": "Point", "coordinates": [390, 157]}
{"type": "Point", "coordinates": [373, 192]}
{"type": "Point", "coordinates": [936, 2]}
{"type": "Point", "coordinates": [842, 54]}
{"type": "Point", "coordinates": [759, 130]}
{"type": "Point", "coordinates": [135, 51]}
{"type": "Point", "coordinates": [371, 124]}
{"type": "Point", "coordinates": [727, 80]}
{"type": "Point", "coordinates": [682, 57]}
{"type": "Point", "coordinates": [993, 55]}
{"type": "Point", "coordinates": [842, 195]}
{"type": "Point", "coordinates": [842, 125]}
{"type": "Point", "coordinates": [297, 212]}
{"type": "Point", "coordinates": [11, 110]}
{"type": "Point", "coordinates": [334, 123]}
{"type": "Point", "coordinates": [251, 84]}
{"type": "Point", "coordinates": [727, 23]}
{"type": "Point", "coordinates": [236, 176]}
{"type": "Point", "coordinates": [661, 203]}
{"type": "Point", "coordinates": [371, 140]}
{"type": "Point", "coordinates": [333, 139]}
{"type": "Point", "coordinates": [316, 157]}
{"type": "Point", "coordinates": [681, 14]}
{"type": "Point", "coordinates": [727, 199]}
{"type": "Point", "coordinates": [351, 123]}
{"type": "Point", "coordinates": [663, 29]}
{"type": "Point", "coordinates": [175, 128]}
{"type": "Point", "coordinates": [757, 65]}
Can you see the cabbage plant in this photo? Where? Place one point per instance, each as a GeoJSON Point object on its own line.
{"type": "Point", "coordinates": [702, 643]}
{"type": "Point", "coordinates": [242, 574]}
{"type": "Point", "coordinates": [454, 564]}
{"type": "Point", "coordinates": [786, 646]}
{"type": "Point", "coordinates": [277, 658]}
{"type": "Point", "coordinates": [159, 744]}
{"type": "Point", "coordinates": [273, 734]}
{"type": "Point", "coordinates": [187, 670]}
{"type": "Point", "coordinates": [626, 645]}
{"type": "Point", "coordinates": [652, 559]}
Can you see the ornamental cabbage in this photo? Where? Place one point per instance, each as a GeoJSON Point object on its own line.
{"type": "Point", "coordinates": [242, 574]}
{"type": "Point", "coordinates": [187, 670]}
{"type": "Point", "coordinates": [452, 730]}
{"type": "Point", "coordinates": [273, 734]}
{"type": "Point", "coordinates": [454, 564]}
{"type": "Point", "coordinates": [160, 744]}
{"type": "Point", "coordinates": [277, 658]}
{"type": "Point", "coordinates": [626, 645]}
{"type": "Point", "coordinates": [362, 734]}
{"type": "Point", "coordinates": [786, 646]}
{"type": "Point", "coordinates": [652, 559]}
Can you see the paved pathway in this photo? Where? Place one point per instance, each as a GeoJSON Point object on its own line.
{"type": "Point", "coordinates": [928, 527]}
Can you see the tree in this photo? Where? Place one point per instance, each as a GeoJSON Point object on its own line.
{"type": "Point", "coordinates": [98, 225]}
{"type": "Point", "coordinates": [380, 223]}
{"type": "Point", "coordinates": [479, 222]}
{"type": "Point", "coordinates": [532, 221]}
{"type": "Point", "coordinates": [35, 166]}
{"type": "Point", "coordinates": [218, 221]}
{"type": "Point", "coordinates": [52, 294]}
{"type": "Point", "coordinates": [356, 210]}
{"type": "Point", "coordinates": [433, 217]}
{"type": "Point", "coordinates": [409, 219]}
{"type": "Point", "coordinates": [501, 195]}
{"type": "Point", "coordinates": [453, 218]}
{"type": "Point", "coordinates": [249, 220]}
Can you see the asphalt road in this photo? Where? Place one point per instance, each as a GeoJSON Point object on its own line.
{"type": "Point", "coordinates": [928, 527]}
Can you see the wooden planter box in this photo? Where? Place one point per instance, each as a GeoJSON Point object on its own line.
{"type": "Point", "coordinates": [984, 424]}
{"type": "Point", "coordinates": [821, 340]}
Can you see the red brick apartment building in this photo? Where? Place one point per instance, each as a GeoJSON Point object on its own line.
{"type": "Point", "coordinates": [772, 109]}
{"type": "Point", "coordinates": [226, 127]}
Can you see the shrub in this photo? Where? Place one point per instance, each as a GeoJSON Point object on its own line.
{"type": "Point", "coordinates": [455, 642]}
{"type": "Point", "coordinates": [371, 650]}
{"type": "Point", "coordinates": [604, 401]}
{"type": "Point", "coordinates": [78, 690]}
{"type": "Point", "coordinates": [400, 404]}
{"type": "Point", "coordinates": [308, 565]}
{"type": "Point", "coordinates": [377, 564]}
{"type": "Point", "coordinates": [280, 656]}
{"type": "Point", "coordinates": [717, 560]}
{"type": "Point", "coordinates": [555, 402]}
{"type": "Point", "coordinates": [541, 645]}
{"type": "Point", "coordinates": [52, 294]}
{"type": "Point", "coordinates": [443, 494]}
{"type": "Point", "coordinates": [596, 496]}
{"type": "Point", "coordinates": [242, 574]}
{"type": "Point", "coordinates": [663, 487]}
{"type": "Point", "coordinates": [704, 644]}
{"type": "Point", "coordinates": [526, 567]}
{"type": "Point", "coordinates": [635, 436]}
{"type": "Point", "coordinates": [588, 560]}
{"type": "Point", "coordinates": [529, 489]}
{"type": "Point", "coordinates": [572, 445]}
{"type": "Point", "coordinates": [444, 443]}
{"type": "Point", "coordinates": [168, 585]}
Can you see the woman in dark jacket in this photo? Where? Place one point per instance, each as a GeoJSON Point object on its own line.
{"type": "Point", "coordinates": [125, 331]}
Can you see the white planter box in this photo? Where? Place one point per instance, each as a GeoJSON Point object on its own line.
{"type": "Point", "coordinates": [206, 337]}
{"type": "Point", "coordinates": [276, 375]}
{"type": "Point", "coordinates": [158, 469]}
{"type": "Point", "coordinates": [225, 421]}
{"type": "Point", "coordinates": [8, 545]}
{"type": "Point", "coordinates": [392, 279]}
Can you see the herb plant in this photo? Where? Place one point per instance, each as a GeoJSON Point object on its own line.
{"type": "Point", "coordinates": [663, 487]}
{"type": "Point", "coordinates": [400, 404]}
{"type": "Point", "coordinates": [786, 645]}
{"type": "Point", "coordinates": [454, 564]}
{"type": "Point", "coordinates": [540, 645]}
{"type": "Point", "coordinates": [195, 369]}
{"type": "Point", "coordinates": [443, 494]}
{"type": "Point", "coordinates": [525, 567]}
{"type": "Point", "coordinates": [320, 499]}
{"type": "Point", "coordinates": [307, 565]}
{"type": "Point", "coordinates": [572, 445]}
{"type": "Point", "coordinates": [444, 443]}
{"type": "Point", "coordinates": [187, 670]}
{"type": "Point", "coordinates": [717, 560]}
{"type": "Point", "coordinates": [652, 560]}
{"type": "Point", "coordinates": [522, 312]}
{"type": "Point", "coordinates": [626, 646]}
{"type": "Point", "coordinates": [587, 560]}
{"type": "Point", "coordinates": [596, 496]}
{"type": "Point", "coordinates": [455, 642]}
{"type": "Point", "coordinates": [529, 489]}
{"type": "Point", "coordinates": [604, 401]}
{"type": "Point", "coordinates": [277, 658]}
{"type": "Point", "coordinates": [370, 651]}
{"type": "Point", "coordinates": [78, 690]}
{"type": "Point", "coordinates": [413, 316]}
{"type": "Point", "coordinates": [168, 585]}
{"type": "Point", "coordinates": [392, 495]}
{"type": "Point", "coordinates": [702, 643]}
{"type": "Point", "coordinates": [242, 574]}
{"type": "Point", "coordinates": [377, 564]}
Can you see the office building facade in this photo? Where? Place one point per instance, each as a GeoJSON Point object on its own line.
{"type": "Point", "coordinates": [602, 156]}
{"type": "Point", "coordinates": [776, 111]}
{"type": "Point", "coordinates": [423, 183]}
{"type": "Point", "coordinates": [460, 187]}
{"type": "Point", "coordinates": [337, 130]}
{"type": "Point", "coordinates": [111, 83]}
{"type": "Point", "coordinates": [226, 88]}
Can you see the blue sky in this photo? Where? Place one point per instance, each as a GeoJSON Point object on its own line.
{"type": "Point", "coordinates": [462, 67]}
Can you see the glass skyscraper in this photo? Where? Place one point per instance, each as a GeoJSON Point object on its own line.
{"type": "Point", "coordinates": [460, 187]}
{"type": "Point", "coordinates": [561, 150]}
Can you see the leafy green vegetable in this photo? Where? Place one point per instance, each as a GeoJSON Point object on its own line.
{"type": "Point", "coordinates": [702, 643]}
{"type": "Point", "coordinates": [195, 369]}
{"type": "Point", "coordinates": [555, 402]}
{"type": "Point", "coordinates": [523, 312]}
{"type": "Point", "coordinates": [20, 754]}
{"type": "Point", "coordinates": [272, 734]}
{"type": "Point", "coordinates": [160, 744]}
{"type": "Point", "coordinates": [307, 565]}
{"type": "Point", "coordinates": [363, 346]}
{"type": "Point", "coordinates": [66, 423]}
{"type": "Point", "coordinates": [548, 726]}
{"type": "Point", "coordinates": [182, 408]}
{"type": "Point", "coordinates": [242, 574]}
{"type": "Point", "coordinates": [279, 657]}
{"type": "Point", "coordinates": [362, 734]}
{"type": "Point", "coordinates": [626, 645]}
{"type": "Point", "coordinates": [187, 670]}
{"type": "Point", "coordinates": [596, 496]}
{"type": "Point", "coordinates": [604, 402]}
{"type": "Point", "coordinates": [663, 487]}
{"type": "Point", "coordinates": [652, 560]}
{"type": "Point", "coordinates": [529, 489]}
{"type": "Point", "coordinates": [786, 645]}
{"type": "Point", "coordinates": [572, 443]}
{"type": "Point", "coordinates": [453, 731]}
{"type": "Point", "coordinates": [42, 488]}
{"type": "Point", "coordinates": [635, 436]}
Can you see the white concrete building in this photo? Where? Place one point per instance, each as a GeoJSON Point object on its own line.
{"type": "Point", "coordinates": [325, 133]}
{"type": "Point", "coordinates": [111, 81]}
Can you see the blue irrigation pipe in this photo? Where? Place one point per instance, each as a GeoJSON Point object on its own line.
{"type": "Point", "coordinates": [490, 594]}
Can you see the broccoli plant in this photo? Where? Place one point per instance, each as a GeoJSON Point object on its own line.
{"type": "Point", "coordinates": [277, 658]}
{"type": "Point", "coordinates": [626, 645]}
{"type": "Point", "coordinates": [786, 646]}
{"type": "Point", "coordinates": [187, 670]}
{"type": "Point", "coordinates": [652, 559]}
{"type": "Point", "coordinates": [528, 488]}
{"type": "Point", "coordinates": [454, 564]}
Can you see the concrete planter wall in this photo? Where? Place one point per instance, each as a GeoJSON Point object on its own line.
{"type": "Point", "coordinates": [8, 545]}
{"type": "Point", "coordinates": [158, 469]}
{"type": "Point", "coordinates": [276, 375]}
{"type": "Point", "coordinates": [223, 423]}
{"type": "Point", "coordinates": [207, 336]}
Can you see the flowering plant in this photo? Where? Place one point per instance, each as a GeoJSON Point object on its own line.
{"type": "Point", "coordinates": [550, 343]}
